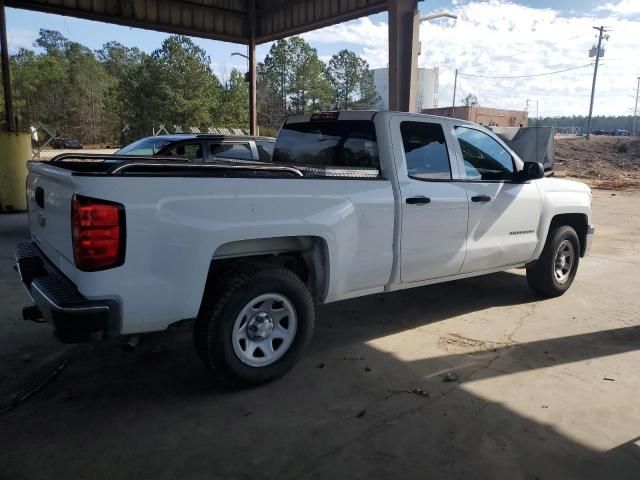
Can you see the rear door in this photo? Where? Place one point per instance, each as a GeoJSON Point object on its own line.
{"type": "Point", "coordinates": [503, 214]}
{"type": "Point", "coordinates": [433, 203]}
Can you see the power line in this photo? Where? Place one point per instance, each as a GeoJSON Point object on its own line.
{"type": "Point", "coordinates": [523, 76]}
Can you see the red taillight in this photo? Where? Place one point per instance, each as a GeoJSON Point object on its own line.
{"type": "Point", "coordinates": [98, 233]}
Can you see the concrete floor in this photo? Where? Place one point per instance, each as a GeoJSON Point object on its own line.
{"type": "Point", "coordinates": [547, 389]}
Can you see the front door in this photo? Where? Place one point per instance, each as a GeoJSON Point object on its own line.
{"type": "Point", "coordinates": [503, 214]}
{"type": "Point", "coordinates": [433, 205]}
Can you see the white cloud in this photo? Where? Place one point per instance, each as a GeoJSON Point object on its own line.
{"type": "Point", "coordinates": [20, 38]}
{"type": "Point", "coordinates": [623, 8]}
{"type": "Point", "coordinates": [358, 32]}
{"type": "Point", "coordinates": [503, 38]}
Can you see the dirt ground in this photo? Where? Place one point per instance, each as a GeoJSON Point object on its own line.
{"type": "Point", "coordinates": [545, 389]}
{"type": "Point", "coordinates": [602, 161]}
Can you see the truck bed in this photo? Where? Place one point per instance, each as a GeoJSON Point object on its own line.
{"type": "Point", "coordinates": [179, 217]}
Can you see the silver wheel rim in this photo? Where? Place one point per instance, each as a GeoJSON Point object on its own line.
{"type": "Point", "coordinates": [565, 256]}
{"type": "Point", "coordinates": [264, 330]}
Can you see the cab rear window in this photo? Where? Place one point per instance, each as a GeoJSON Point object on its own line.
{"type": "Point", "coordinates": [339, 143]}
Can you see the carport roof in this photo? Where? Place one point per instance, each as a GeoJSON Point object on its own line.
{"type": "Point", "coordinates": [248, 22]}
{"type": "Point", "coordinates": [226, 20]}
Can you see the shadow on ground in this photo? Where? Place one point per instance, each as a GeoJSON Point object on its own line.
{"type": "Point", "coordinates": [155, 414]}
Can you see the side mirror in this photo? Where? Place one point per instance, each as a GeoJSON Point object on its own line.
{"type": "Point", "coordinates": [530, 171]}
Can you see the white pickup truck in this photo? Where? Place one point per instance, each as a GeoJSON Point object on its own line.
{"type": "Point", "coordinates": [354, 203]}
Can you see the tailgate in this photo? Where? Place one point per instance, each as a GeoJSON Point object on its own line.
{"type": "Point", "coordinates": [49, 193]}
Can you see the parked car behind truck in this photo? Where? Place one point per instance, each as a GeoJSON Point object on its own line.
{"type": "Point", "coordinates": [354, 203]}
{"type": "Point", "coordinates": [66, 143]}
{"type": "Point", "coordinates": [203, 147]}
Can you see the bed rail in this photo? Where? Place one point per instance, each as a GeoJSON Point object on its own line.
{"type": "Point", "coordinates": [113, 164]}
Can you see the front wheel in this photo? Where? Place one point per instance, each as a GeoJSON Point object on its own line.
{"type": "Point", "coordinates": [257, 325]}
{"type": "Point", "coordinates": [553, 273]}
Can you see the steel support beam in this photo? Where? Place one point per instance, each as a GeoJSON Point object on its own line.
{"type": "Point", "coordinates": [6, 76]}
{"type": "Point", "coordinates": [278, 24]}
{"type": "Point", "coordinates": [404, 21]}
{"type": "Point", "coordinates": [182, 17]}
{"type": "Point", "coordinates": [253, 111]}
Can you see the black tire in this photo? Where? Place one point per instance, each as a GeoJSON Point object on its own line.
{"type": "Point", "coordinates": [227, 299]}
{"type": "Point", "coordinates": [541, 276]}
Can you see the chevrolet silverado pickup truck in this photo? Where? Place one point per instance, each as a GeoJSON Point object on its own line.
{"type": "Point", "coordinates": [355, 203]}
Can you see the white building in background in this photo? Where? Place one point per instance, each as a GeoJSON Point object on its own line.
{"type": "Point", "coordinates": [426, 85]}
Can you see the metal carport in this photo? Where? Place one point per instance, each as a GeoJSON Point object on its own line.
{"type": "Point", "coordinates": [247, 22]}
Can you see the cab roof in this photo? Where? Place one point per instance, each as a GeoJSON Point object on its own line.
{"type": "Point", "coordinates": [361, 115]}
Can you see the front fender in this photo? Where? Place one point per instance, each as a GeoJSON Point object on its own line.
{"type": "Point", "coordinates": [560, 197]}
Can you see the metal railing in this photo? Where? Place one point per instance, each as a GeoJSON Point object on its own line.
{"type": "Point", "coordinates": [127, 163]}
{"type": "Point", "coordinates": [122, 164]}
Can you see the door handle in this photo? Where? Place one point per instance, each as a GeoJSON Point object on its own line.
{"type": "Point", "coordinates": [481, 198]}
{"type": "Point", "coordinates": [419, 200]}
{"type": "Point", "coordinates": [39, 197]}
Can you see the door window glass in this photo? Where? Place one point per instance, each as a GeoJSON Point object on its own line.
{"type": "Point", "coordinates": [191, 151]}
{"type": "Point", "coordinates": [425, 151]}
{"type": "Point", "coordinates": [233, 151]}
{"type": "Point", "coordinates": [265, 150]}
{"type": "Point", "coordinates": [484, 158]}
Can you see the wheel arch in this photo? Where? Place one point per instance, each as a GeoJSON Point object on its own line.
{"type": "Point", "coordinates": [578, 221]}
{"type": "Point", "coordinates": [306, 256]}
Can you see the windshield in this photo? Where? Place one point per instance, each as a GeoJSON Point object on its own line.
{"type": "Point", "coordinates": [144, 146]}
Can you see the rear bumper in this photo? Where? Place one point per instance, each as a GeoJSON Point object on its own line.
{"type": "Point", "coordinates": [58, 301]}
{"type": "Point", "coordinates": [589, 239]}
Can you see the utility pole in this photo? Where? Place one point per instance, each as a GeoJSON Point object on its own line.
{"type": "Point", "coordinates": [455, 85]}
{"type": "Point", "coordinates": [595, 74]}
{"type": "Point", "coordinates": [635, 110]}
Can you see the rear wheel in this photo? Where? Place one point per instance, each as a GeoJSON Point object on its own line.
{"type": "Point", "coordinates": [256, 326]}
{"type": "Point", "coordinates": [553, 273]}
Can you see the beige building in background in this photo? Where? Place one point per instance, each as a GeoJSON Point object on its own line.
{"type": "Point", "coordinates": [425, 90]}
{"type": "Point", "coordinates": [495, 117]}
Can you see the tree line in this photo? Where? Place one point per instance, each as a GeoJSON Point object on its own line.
{"type": "Point", "coordinates": [118, 93]}
{"type": "Point", "coordinates": [579, 122]}
{"type": "Point", "coordinates": [293, 80]}
{"type": "Point", "coordinates": [599, 122]}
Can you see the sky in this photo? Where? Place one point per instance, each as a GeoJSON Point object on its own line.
{"type": "Point", "coordinates": [491, 38]}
